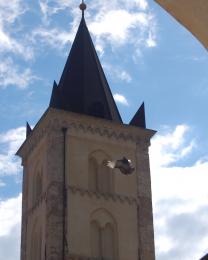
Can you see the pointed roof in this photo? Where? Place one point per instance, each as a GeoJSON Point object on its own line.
{"type": "Point", "coordinates": [28, 129]}
{"type": "Point", "coordinates": [83, 87]}
{"type": "Point", "coordinates": [139, 117]}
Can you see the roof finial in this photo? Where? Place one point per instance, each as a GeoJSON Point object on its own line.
{"type": "Point", "coordinates": [83, 7]}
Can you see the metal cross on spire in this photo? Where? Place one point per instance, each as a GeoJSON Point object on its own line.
{"type": "Point", "coordinates": [83, 7]}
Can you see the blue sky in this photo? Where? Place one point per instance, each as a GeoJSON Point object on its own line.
{"type": "Point", "coordinates": [147, 56]}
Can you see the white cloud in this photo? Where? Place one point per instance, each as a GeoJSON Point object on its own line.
{"type": "Point", "coordinates": [120, 99]}
{"type": "Point", "coordinates": [117, 73]}
{"type": "Point", "coordinates": [49, 8]}
{"type": "Point", "coordinates": [120, 24]}
{"type": "Point", "coordinates": [151, 41]}
{"type": "Point", "coordinates": [9, 44]}
{"type": "Point", "coordinates": [116, 24]}
{"type": "Point", "coordinates": [113, 22]}
{"type": "Point", "coordinates": [10, 141]}
{"type": "Point", "coordinates": [10, 214]}
{"type": "Point", "coordinates": [179, 196]}
{"type": "Point", "coordinates": [170, 147]}
{"type": "Point", "coordinates": [10, 13]}
{"type": "Point", "coordinates": [125, 76]}
{"type": "Point", "coordinates": [10, 217]}
{"type": "Point", "coordinates": [11, 10]}
{"type": "Point", "coordinates": [55, 38]}
{"type": "Point", "coordinates": [12, 75]}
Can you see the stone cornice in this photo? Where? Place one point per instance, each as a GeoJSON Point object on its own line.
{"type": "Point", "coordinates": [54, 120]}
{"type": "Point", "coordinates": [114, 197]}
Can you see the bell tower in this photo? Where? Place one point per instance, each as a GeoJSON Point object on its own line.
{"type": "Point", "coordinates": [74, 207]}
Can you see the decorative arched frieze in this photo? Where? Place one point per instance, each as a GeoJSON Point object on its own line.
{"type": "Point", "coordinates": [106, 196]}
{"type": "Point", "coordinates": [70, 121]}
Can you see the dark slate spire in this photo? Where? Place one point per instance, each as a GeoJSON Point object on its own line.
{"type": "Point", "coordinates": [139, 117]}
{"type": "Point", "coordinates": [28, 129]}
{"type": "Point", "coordinates": [83, 87]}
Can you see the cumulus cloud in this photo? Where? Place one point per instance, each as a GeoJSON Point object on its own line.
{"type": "Point", "coordinates": [171, 147]}
{"type": "Point", "coordinates": [10, 218]}
{"type": "Point", "coordinates": [121, 99]}
{"type": "Point", "coordinates": [123, 22]}
{"type": "Point", "coordinates": [10, 141]}
{"type": "Point", "coordinates": [179, 196]}
{"type": "Point", "coordinates": [10, 214]}
{"type": "Point", "coordinates": [12, 75]}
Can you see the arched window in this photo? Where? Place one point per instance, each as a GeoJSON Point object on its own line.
{"type": "Point", "coordinates": [103, 236]}
{"type": "Point", "coordinates": [93, 174]}
{"type": "Point", "coordinates": [96, 239]}
{"type": "Point", "coordinates": [105, 179]}
{"type": "Point", "coordinates": [100, 177]}
{"type": "Point", "coordinates": [36, 243]}
{"type": "Point", "coordinates": [108, 239]}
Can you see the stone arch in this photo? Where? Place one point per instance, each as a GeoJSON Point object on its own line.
{"type": "Point", "coordinates": [96, 246]}
{"type": "Point", "coordinates": [104, 239]}
{"type": "Point", "coordinates": [36, 242]}
{"type": "Point", "coordinates": [100, 177]}
{"type": "Point", "coordinates": [93, 174]}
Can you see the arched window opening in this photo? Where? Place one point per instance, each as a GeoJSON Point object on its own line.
{"type": "Point", "coordinates": [105, 178]}
{"type": "Point", "coordinates": [103, 236]}
{"type": "Point", "coordinates": [93, 174]}
{"type": "Point", "coordinates": [100, 177]}
{"type": "Point", "coordinates": [108, 241]}
{"type": "Point", "coordinates": [96, 240]}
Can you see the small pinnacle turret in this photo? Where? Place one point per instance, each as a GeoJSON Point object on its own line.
{"type": "Point", "coordinates": [28, 129]}
{"type": "Point", "coordinates": [139, 118]}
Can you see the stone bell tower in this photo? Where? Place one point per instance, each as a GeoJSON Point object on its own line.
{"type": "Point", "coordinates": [74, 207]}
